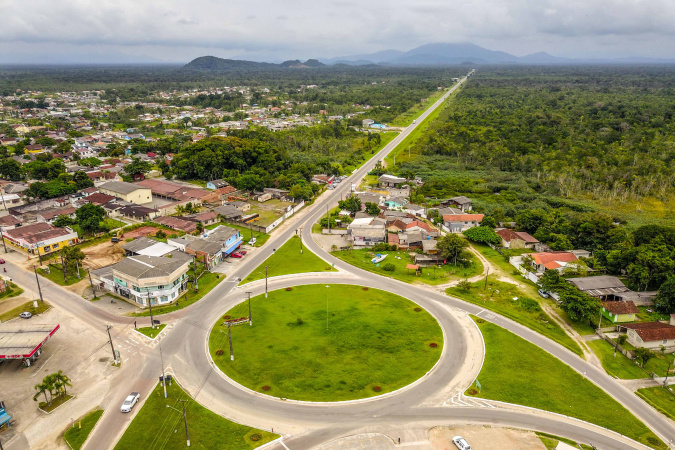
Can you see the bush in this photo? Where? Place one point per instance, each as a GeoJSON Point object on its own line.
{"type": "Point", "coordinates": [219, 352]}
{"type": "Point", "coordinates": [299, 321]}
{"type": "Point", "coordinates": [255, 437]}
{"type": "Point", "coordinates": [289, 288]}
{"type": "Point", "coordinates": [472, 391]}
{"type": "Point", "coordinates": [225, 317]}
{"type": "Point", "coordinates": [266, 388]}
{"type": "Point", "coordinates": [389, 267]}
{"type": "Point", "coordinates": [418, 309]}
{"type": "Point", "coordinates": [622, 339]}
{"type": "Point", "coordinates": [464, 285]}
{"type": "Point", "coordinates": [433, 345]}
{"type": "Point", "coordinates": [382, 247]}
{"type": "Point", "coordinates": [377, 388]}
{"type": "Point", "coordinates": [529, 305]}
{"type": "Point", "coordinates": [365, 288]}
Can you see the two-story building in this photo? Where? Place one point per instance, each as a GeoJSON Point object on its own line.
{"type": "Point", "coordinates": [41, 238]}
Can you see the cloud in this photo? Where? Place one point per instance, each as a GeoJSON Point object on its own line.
{"type": "Point", "coordinates": [304, 28]}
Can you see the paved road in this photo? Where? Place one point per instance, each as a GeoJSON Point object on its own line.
{"type": "Point", "coordinates": [186, 355]}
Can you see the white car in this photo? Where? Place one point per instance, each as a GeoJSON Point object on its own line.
{"type": "Point", "coordinates": [461, 443]}
{"type": "Point", "coordinates": [252, 241]}
{"type": "Point", "coordinates": [130, 401]}
{"type": "Point", "coordinates": [26, 315]}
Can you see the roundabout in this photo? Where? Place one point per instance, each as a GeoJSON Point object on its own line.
{"type": "Point", "coordinates": [327, 343]}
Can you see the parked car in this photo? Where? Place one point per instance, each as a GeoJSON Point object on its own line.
{"type": "Point", "coordinates": [2, 261]}
{"type": "Point", "coordinates": [26, 315]}
{"type": "Point", "coordinates": [543, 293]}
{"type": "Point", "coordinates": [114, 239]}
{"type": "Point", "coordinates": [130, 401]}
{"type": "Point", "coordinates": [461, 443]}
{"type": "Point", "coordinates": [236, 255]}
{"type": "Point", "coordinates": [252, 241]}
{"type": "Point", "coordinates": [242, 252]}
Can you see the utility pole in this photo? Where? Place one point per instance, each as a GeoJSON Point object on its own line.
{"type": "Point", "coordinates": [250, 228]}
{"type": "Point", "coordinates": [328, 216]}
{"type": "Point", "coordinates": [665, 382]}
{"type": "Point", "coordinates": [37, 278]}
{"type": "Point", "coordinates": [229, 335]}
{"type": "Point", "coordinates": [63, 266]}
{"type": "Point", "coordinates": [300, 241]}
{"type": "Point", "coordinates": [108, 327]}
{"type": "Point", "coordinates": [250, 320]}
{"type": "Point", "coordinates": [163, 376]}
{"type": "Point", "coordinates": [187, 435]}
{"type": "Point", "coordinates": [3, 242]}
{"type": "Point", "coordinates": [152, 321]}
{"type": "Point", "coordinates": [93, 291]}
{"type": "Point", "coordinates": [266, 267]}
{"type": "Point", "coordinates": [195, 285]}
{"type": "Point", "coordinates": [486, 278]}
{"type": "Point", "coordinates": [600, 321]}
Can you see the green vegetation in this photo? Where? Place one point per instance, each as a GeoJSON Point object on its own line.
{"type": "Point", "coordinates": [157, 426]}
{"type": "Point", "coordinates": [516, 371]}
{"type": "Point", "coordinates": [55, 274]}
{"type": "Point", "coordinates": [12, 290]}
{"type": "Point", "coordinates": [28, 306]}
{"type": "Point", "coordinates": [287, 260]}
{"type": "Point", "coordinates": [499, 297]}
{"type": "Point", "coordinates": [55, 403]}
{"type": "Point", "coordinates": [333, 343]}
{"type": "Point", "coordinates": [404, 119]}
{"type": "Point", "coordinates": [660, 398]}
{"type": "Point", "coordinates": [207, 281]}
{"type": "Point", "coordinates": [617, 366]}
{"type": "Point", "coordinates": [260, 237]}
{"type": "Point", "coordinates": [151, 332]}
{"type": "Point", "coordinates": [56, 384]}
{"type": "Point", "coordinates": [551, 442]}
{"type": "Point", "coordinates": [430, 275]}
{"type": "Point", "coordinates": [78, 433]}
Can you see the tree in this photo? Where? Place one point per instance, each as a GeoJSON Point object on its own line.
{"type": "Point", "coordinates": [64, 221]}
{"type": "Point", "coordinates": [137, 167]}
{"type": "Point", "coordinates": [42, 389]}
{"type": "Point", "coordinates": [559, 242]}
{"type": "Point", "coordinates": [82, 180]}
{"type": "Point", "coordinates": [488, 222]}
{"type": "Point", "coordinates": [464, 285]}
{"type": "Point", "coordinates": [579, 306]}
{"type": "Point", "coordinates": [10, 170]}
{"type": "Point", "coordinates": [372, 209]}
{"type": "Point", "coordinates": [160, 234]}
{"type": "Point", "coordinates": [64, 380]}
{"type": "Point", "coordinates": [665, 299]}
{"type": "Point", "coordinates": [643, 355]}
{"type": "Point", "coordinates": [451, 246]}
{"type": "Point", "coordinates": [531, 220]}
{"type": "Point", "coordinates": [351, 204]}
{"type": "Point", "coordinates": [483, 235]}
{"type": "Point", "coordinates": [89, 217]}
{"type": "Point", "coordinates": [72, 258]}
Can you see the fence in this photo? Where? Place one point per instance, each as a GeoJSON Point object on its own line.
{"type": "Point", "coordinates": [627, 353]}
{"type": "Point", "coordinates": [289, 212]}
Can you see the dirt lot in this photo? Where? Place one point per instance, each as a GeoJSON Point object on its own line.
{"type": "Point", "coordinates": [485, 438]}
{"type": "Point", "coordinates": [138, 232]}
{"type": "Point", "coordinates": [103, 254]}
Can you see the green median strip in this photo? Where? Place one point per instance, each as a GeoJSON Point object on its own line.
{"type": "Point", "coordinates": [79, 431]}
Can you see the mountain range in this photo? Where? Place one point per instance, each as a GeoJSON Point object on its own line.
{"type": "Point", "coordinates": [437, 54]}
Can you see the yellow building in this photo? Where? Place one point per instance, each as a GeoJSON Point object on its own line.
{"type": "Point", "coordinates": [41, 238]}
{"type": "Point", "coordinates": [127, 191]}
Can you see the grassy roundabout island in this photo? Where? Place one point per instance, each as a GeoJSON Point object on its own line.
{"type": "Point", "coordinates": [366, 343]}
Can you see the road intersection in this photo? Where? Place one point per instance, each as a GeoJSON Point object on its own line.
{"type": "Point", "coordinates": [307, 425]}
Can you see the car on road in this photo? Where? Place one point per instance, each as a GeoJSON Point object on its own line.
{"type": "Point", "coordinates": [252, 241]}
{"type": "Point", "coordinates": [543, 293]}
{"type": "Point", "coordinates": [26, 315]}
{"type": "Point", "coordinates": [236, 255]}
{"type": "Point", "coordinates": [130, 401]}
{"type": "Point", "coordinates": [461, 443]}
{"type": "Point", "coordinates": [2, 261]}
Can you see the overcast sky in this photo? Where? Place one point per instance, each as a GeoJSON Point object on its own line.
{"type": "Point", "coordinates": [98, 31]}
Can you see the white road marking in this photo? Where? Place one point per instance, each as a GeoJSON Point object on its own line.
{"type": "Point", "coordinates": [285, 446]}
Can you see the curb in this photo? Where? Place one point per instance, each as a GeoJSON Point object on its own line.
{"type": "Point", "coordinates": [49, 412]}
{"type": "Point", "coordinates": [148, 337]}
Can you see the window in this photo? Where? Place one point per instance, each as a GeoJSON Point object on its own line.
{"type": "Point", "coordinates": [160, 286]}
{"type": "Point", "coordinates": [55, 246]}
{"type": "Point", "coordinates": [135, 288]}
{"type": "Point", "coordinates": [665, 342]}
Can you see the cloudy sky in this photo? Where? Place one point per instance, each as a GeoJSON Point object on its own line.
{"type": "Point", "coordinates": [50, 31]}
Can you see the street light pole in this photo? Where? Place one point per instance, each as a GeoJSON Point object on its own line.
{"type": "Point", "coordinates": [37, 278]}
{"type": "Point", "coordinates": [266, 267]}
{"type": "Point", "coordinates": [229, 335]}
{"type": "Point", "coordinates": [187, 435]}
{"type": "Point", "coordinates": [108, 327]}
{"type": "Point", "coordinates": [250, 319]}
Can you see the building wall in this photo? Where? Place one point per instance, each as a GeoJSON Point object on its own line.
{"type": "Point", "coordinates": [635, 341]}
{"type": "Point", "coordinates": [139, 196]}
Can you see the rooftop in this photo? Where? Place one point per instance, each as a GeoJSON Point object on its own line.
{"type": "Point", "coordinates": [143, 266]}
{"type": "Point", "coordinates": [619, 307]}
{"type": "Point", "coordinates": [120, 187]}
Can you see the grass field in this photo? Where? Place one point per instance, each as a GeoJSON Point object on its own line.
{"type": "Point", "coordinates": [75, 436]}
{"type": "Point", "coordinates": [619, 366]}
{"type": "Point", "coordinates": [499, 297]}
{"type": "Point", "coordinates": [287, 259]}
{"type": "Point", "coordinates": [28, 306]}
{"type": "Point", "coordinates": [157, 426]}
{"type": "Point", "coordinates": [206, 282]}
{"type": "Point", "coordinates": [56, 275]}
{"type": "Point", "coordinates": [362, 259]}
{"type": "Point", "coordinates": [660, 398]}
{"type": "Point", "coordinates": [151, 332]}
{"type": "Point", "coordinates": [333, 343]}
{"type": "Point", "coordinates": [516, 371]}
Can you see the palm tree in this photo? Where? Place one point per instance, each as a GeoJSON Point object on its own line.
{"type": "Point", "coordinates": [49, 382]}
{"type": "Point", "coordinates": [64, 380]}
{"type": "Point", "coordinates": [41, 388]}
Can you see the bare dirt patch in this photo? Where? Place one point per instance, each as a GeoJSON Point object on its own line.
{"type": "Point", "coordinates": [485, 437]}
{"type": "Point", "coordinates": [103, 254]}
{"type": "Point", "coordinates": [139, 232]}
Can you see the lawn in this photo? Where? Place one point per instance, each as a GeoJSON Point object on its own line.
{"type": "Point", "coordinates": [499, 297]}
{"type": "Point", "coordinates": [516, 371]}
{"type": "Point", "coordinates": [56, 402]}
{"type": "Point", "coordinates": [335, 343]}
{"type": "Point", "coordinates": [151, 332]}
{"type": "Point", "coordinates": [12, 291]}
{"type": "Point", "coordinates": [78, 433]}
{"type": "Point", "coordinates": [157, 426]}
{"type": "Point", "coordinates": [619, 366]}
{"type": "Point", "coordinates": [551, 442]}
{"type": "Point", "coordinates": [646, 316]}
{"type": "Point", "coordinates": [268, 211]}
{"type": "Point", "coordinates": [287, 260]}
{"type": "Point", "coordinates": [430, 275]}
{"type": "Point", "coordinates": [660, 398]}
{"type": "Point", "coordinates": [28, 306]}
{"type": "Point", "coordinates": [206, 282]}
{"type": "Point", "coordinates": [659, 364]}
{"type": "Point", "coordinates": [260, 237]}
{"type": "Point", "coordinates": [56, 275]}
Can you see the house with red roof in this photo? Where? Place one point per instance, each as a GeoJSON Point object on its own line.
{"type": "Point", "coordinates": [651, 335]}
{"type": "Point", "coordinates": [542, 262]}
{"type": "Point", "coordinates": [516, 239]}
{"type": "Point", "coordinates": [456, 223]}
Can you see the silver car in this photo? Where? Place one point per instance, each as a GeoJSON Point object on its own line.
{"type": "Point", "coordinates": [25, 315]}
{"type": "Point", "coordinates": [461, 443]}
{"type": "Point", "coordinates": [130, 401]}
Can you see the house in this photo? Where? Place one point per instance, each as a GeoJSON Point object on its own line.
{"type": "Point", "coordinates": [542, 262]}
{"type": "Point", "coordinates": [132, 193]}
{"type": "Point", "coordinates": [229, 238]}
{"type": "Point", "coordinates": [208, 252]}
{"type": "Point", "coordinates": [415, 210]}
{"type": "Point", "coordinates": [395, 202]}
{"type": "Point", "coordinates": [176, 223]}
{"type": "Point", "coordinates": [411, 240]}
{"type": "Point", "coordinates": [41, 238]}
{"type": "Point", "coordinates": [618, 311]}
{"type": "Point", "coordinates": [148, 280]}
{"type": "Point", "coordinates": [216, 184]}
{"type": "Point", "coordinates": [322, 179]}
{"type": "Point", "coordinates": [418, 225]}
{"type": "Point", "coordinates": [424, 260]}
{"type": "Point", "coordinates": [367, 232]}
{"type": "Point", "coordinates": [9, 222]}
{"type": "Point", "coordinates": [98, 199]}
{"type": "Point", "coordinates": [457, 223]}
{"type": "Point", "coordinates": [516, 239]}
{"type": "Point", "coordinates": [206, 218]}
{"type": "Point", "coordinates": [264, 197]}
{"type": "Point", "coordinates": [651, 335]}
{"type": "Point", "coordinates": [607, 287]}
{"type": "Point", "coordinates": [365, 123]}
{"type": "Point", "coordinates": [390, 180]}
{"type": "Point", "coordinates": [369, 197]}
{"type": "Point", "coordinates": [147, 246]}
{"type": "Point", "coordinates": [137, 212]}
{"type": "Point", "coordinates": [51, 214]}
{"type": "Point", "coordinates": [228, 212]}
{"type": "Point", "coordinates": [461, 202]}
{"type": "Point", "coordinates": [241, 206]}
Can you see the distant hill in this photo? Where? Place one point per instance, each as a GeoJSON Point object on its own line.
{"type": "Point", "coordinates": [212, 63]}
